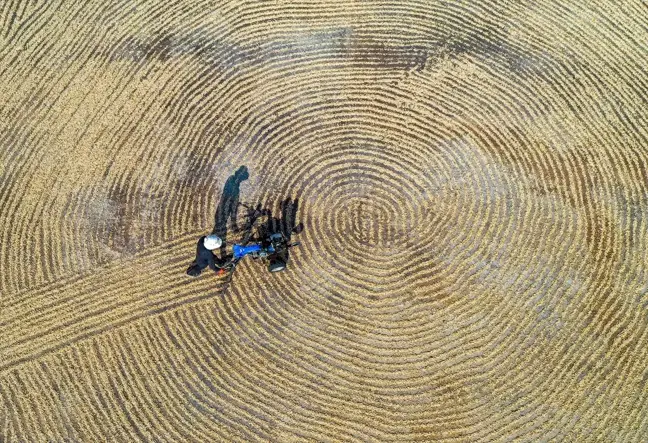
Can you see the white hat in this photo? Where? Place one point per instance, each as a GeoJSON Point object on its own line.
{"type": "Point", "coordinates": [213, 242]}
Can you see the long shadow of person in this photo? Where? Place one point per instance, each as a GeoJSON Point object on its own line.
{"type": "Point", "coordinates": [228, 206]}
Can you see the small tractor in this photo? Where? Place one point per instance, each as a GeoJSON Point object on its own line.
{"type": "Point", "coordinates": [271, 247]}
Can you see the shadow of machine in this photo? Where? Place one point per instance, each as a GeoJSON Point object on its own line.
{"type": "Point", "coordinates": [267, 237]}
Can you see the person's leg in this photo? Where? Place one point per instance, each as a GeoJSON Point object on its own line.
{"type": "Point", "coordinates": [223, 251]}
{"type": "Point", "coordinates": [220, 220]}
{"type": "Point", "coordinates": [232, 212]}
{"type": "Point", "coordinates": [195, 269]}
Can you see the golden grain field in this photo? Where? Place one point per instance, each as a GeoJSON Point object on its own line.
{"type": "Point", "coordinates": [472, 177]}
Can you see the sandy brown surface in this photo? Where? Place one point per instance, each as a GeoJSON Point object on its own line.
{"type": "Point", "coordinates": [473, 181]}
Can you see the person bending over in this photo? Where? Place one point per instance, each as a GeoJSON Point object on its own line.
{"type": "Point", "coordinates": [204, 255]}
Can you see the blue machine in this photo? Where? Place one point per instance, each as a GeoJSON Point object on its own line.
{"type": "Point", "coordinates": [274, 249]}
{"type": "Point", "coordinates": [241, 251]}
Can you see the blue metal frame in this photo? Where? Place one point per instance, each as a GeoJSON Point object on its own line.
{"type": "Point", "coordinates": [240, 251]}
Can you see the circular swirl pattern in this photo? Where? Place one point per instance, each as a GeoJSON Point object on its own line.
{"type": "Point", "coordinates": [472, 180]}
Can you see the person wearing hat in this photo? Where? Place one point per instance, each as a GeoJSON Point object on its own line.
{"type": "Point", "coordinates": [204, 255]}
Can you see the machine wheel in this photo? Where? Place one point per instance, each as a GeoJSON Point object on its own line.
{"type": "Point", "coordinates": [276, 264]}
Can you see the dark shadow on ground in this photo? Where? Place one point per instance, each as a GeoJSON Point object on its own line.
{"type": "Point", "coordinates": [288, 220]}
{"type": "Point", "coordinates": [286, 224]}
{"type": "Point", "coordinates": [228, 206]}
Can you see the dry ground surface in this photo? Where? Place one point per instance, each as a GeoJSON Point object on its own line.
{"type": "Point", "coordinates": [471, 175]}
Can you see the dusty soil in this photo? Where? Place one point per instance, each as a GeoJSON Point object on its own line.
{"type": "Point", "coordinates": [472, 177]}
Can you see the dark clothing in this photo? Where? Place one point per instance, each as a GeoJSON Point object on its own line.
{"type": "Point", "coordinates": [204, 258]}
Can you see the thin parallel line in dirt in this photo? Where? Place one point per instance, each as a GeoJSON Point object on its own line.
{"type": "Point", "coordinates": [91, 331]}
{"type": "Point", "coordinates": [4, 417]}
{"type": "Point", "coordinates": [274, 409]}
{"type": "Point", "coordinates": [140, 419]}
{"type": "Point", "coordinates": [103, 356]}
{"type": "Point", "coordinates": [116, 390]}
{"type": "Point", "coordinates": [112, 271]}
{"type": "Point", "coordinates": [309, 334]}
{"type": "Point", "coordinates": [624, 375]}
{"type": "Point", "coordinates": [14, 197]}
{"type": "Point", "coordinates": [239, 389]}
{"type": "Point", "coordinates": [25, 20]}
{"type": "Point", "coordinates": [152, 46]}
{"type": "Point", "coordinates": [27, 174]}
{"type": "Point", "coordinates": [59, 382]}
{"type": "Point", "coordinates": [98, 114]}
{"type": "Point", "coordinates": [77, 328]}
{"type": "Point", "coordinates": [562, 366]}
{"type": "Point", "coordinates": [345, 347]}
{"type": "Point", "coordinates": [17, 396]}
{"type": "Point", "coordinates": [96, 373]}
{"type": "Point", "coordinates": [9, 17]}
{"type": "Point", "coordinates": [177, 386]}
{"type": "Point", "coordinates": [36, 383]}
{"type": "Point", "coordinates": [73, 359]}
{"type": "Point", "coordinates": [180, 383]}
{"type": "Point", "coordinates": [12, 407]}
{"type": "Point", "coordinates": [414, 335]}
{"type": "Point", "coordinates": [37, 51]}
{"type": "Point", "coordinates": [173, 195]}
{"type": "Point", "coordinates": [39, 317]}
{"type": "Point", "coordinates": [226, 353]}
{"type": "Point", "coordinates": [255, 418]}
{"type": "Point", "coordinates": [99, 237]}
{"type": "Point", "coordinates": [17, 20]}
{"type": "Point", "coordinates": [60, 76]}
{"type": "Point", "coordinates": [172, 423]}
{"type": "Point", "coordinates": [477, 212]}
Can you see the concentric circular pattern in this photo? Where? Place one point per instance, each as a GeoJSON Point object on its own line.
{"type": "Point", "coordinates": [473, 181]}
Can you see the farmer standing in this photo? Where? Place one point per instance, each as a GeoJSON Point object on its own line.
{"type": "Point", "coordinates": [204, 255]}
